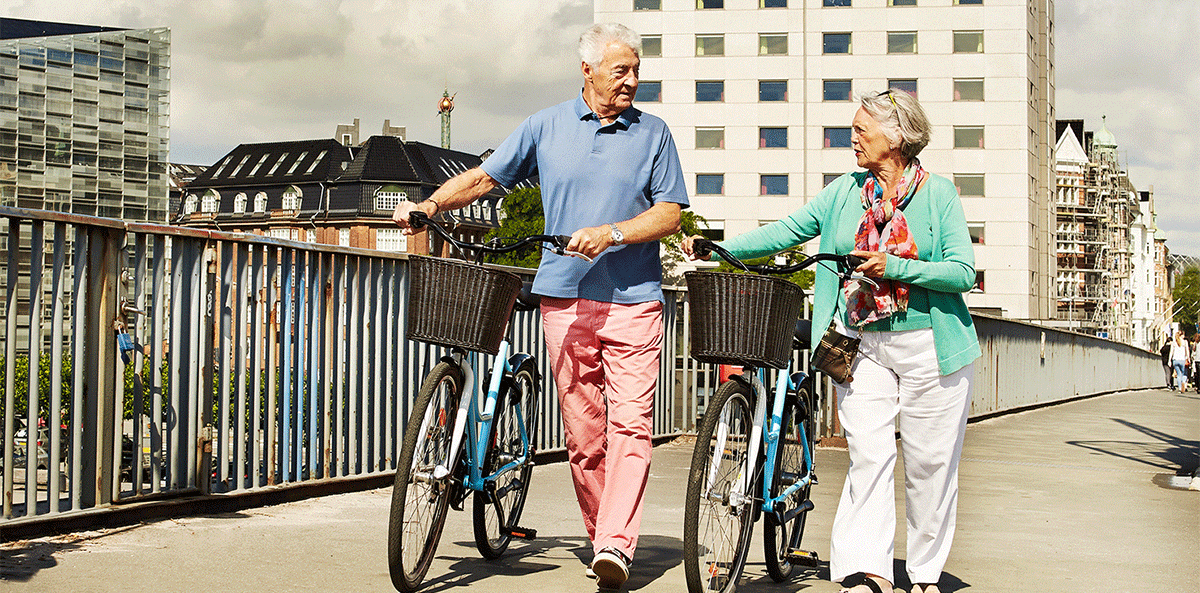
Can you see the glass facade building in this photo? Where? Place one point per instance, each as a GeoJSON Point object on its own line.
{"type": "Point", "coordinates": [84, 119]}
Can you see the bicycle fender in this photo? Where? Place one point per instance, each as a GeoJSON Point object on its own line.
{"type": "Point", "coordinates": [516, 360]}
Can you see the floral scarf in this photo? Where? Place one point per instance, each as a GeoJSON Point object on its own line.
{"type": "Point", "coordinates": [884, 228]}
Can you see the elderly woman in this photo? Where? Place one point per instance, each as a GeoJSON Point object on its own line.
{"type": "Point", "coordinates": [918, 344]}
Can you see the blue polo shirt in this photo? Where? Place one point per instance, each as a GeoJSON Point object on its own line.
{"type": "Point", "coordinates": [591, 175]}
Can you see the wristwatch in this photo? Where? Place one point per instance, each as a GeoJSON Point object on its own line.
{"type": "Point", "coordinates": [617, 236]}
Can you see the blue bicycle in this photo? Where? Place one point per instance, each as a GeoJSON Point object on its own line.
{"type": "Point", "coordinates": [453, 447]}
{"type": "Point", "coordinates": [747, 463]}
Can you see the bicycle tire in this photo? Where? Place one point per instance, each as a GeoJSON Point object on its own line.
{"type": "Point", "coordinates": [716, 534]}
{"type": "Point", "coordinates": [419, 503]}
{"type": "Point", "coordinates": [506, 445]}
{"type": "Point", "coordinates": [789, 465]}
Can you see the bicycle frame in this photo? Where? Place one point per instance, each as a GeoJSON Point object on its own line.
{"type": "Point", "coordinates": [476, 425]}
{"type": "Point", "coordinates": [785, 381]}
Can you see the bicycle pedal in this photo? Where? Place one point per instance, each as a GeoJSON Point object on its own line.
{"type": "Point", "coordinates": [802, 557]}
{"type": "Point", "coordinates": [521, 532]}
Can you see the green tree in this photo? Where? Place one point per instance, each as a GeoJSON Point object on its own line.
{"type": "Point", "coordinates": [1186, 295]}
{"type": "Point", "coordinates": [522, 216]}
{"type": "Point", "coordinates": [672, 257]}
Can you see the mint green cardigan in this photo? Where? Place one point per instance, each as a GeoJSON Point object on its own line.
{"type": "Point", "coordinates": [945, 267]}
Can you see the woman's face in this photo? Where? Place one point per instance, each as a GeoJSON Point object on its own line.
{"type": "Point", "coordinates": [871, 147]}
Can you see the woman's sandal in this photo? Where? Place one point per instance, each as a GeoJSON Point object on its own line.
{"type": "Point", "coordinates": [864, 581]}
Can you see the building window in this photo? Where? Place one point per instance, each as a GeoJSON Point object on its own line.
{"type": "Point", "coordinates": [387, 199]}
{"type": "Point", "coordinates": [837, 3]}
{"type": "Point", "coordinates": [710, 45]}
{"type": "Point", "coordinates": [835, 43]}
{"type": "Point", "coordinates": [651, 46]}
{"type": "Point", "coordinates": [347, 139]}
{"type": "Point", "coordinates": [772, 3]}
{"type": "Point", "coordinates": [262, 160]}
{"type": "Point", "coordinates": [902, 42]}
{"type": "Point", "coordinates": [344, 237]}
{"type": "Point", "coordinates": [837, 137]}
{"type": "Point", "coordinates": [968, 42]}
{"type": "Point", "coordinates": [773, 185]}
{"type": "Point", "coordinates": [282, 157]}
{"type": "Point", "coordinates": [836, 90]}
{"type": "Point", "coordinates": [239, 203]}
{"type": "Point", "coordinates": [772, 91]}
{"type": "Point", "coordinates": [291, 198]}
{"type": "Point", "coordinates": [299, 159]}
{"type": "Point", "coordinates": [715, 230]}
{"type": "Point", "coordinates": [902, 2]}
{"type": "Point", "coordinates": [391, 240]}
{"type": "Point", "coordinates": [710, 138]}
{"type": "Point", "coordinates": [282, 233]}
{"type": "Point", "coordinates": [968, 89]}
{"type": "Point", "coordinates": [773, 44]}
{"type": "Point", "coordinates": [968, 136]}
{"type": "Point", "coordinates": [260, 202]}
{"type": "Point", "coordinates": [772, 138]}
{"type": "Point", "coordinates": [710, 184]}
{"type": "Point", "coordinates": [709, 4]}
{"type": "Point", "coordinates": [649, 91]}
{"type": "Point", "coordinates": [978, 282]}
{"type": "Point", "coordinates": [908, 85]}
{"type": "Point", "coordinates": [189, 204]}
{"type": "Point", "coordinates": [209, 202]}
{"type": "Point", "coordinates": [828, 178]}
{"type": "Point", "coordinates": [710, 91]}
{"type": "Point", "coordinates": [647, 4]}
{"type": "Point", "coordinates": [966, 2]}
{"type": "Point", "coordinates": [969, 185]}
{"type": "Point", "coordinates": [976, 230]}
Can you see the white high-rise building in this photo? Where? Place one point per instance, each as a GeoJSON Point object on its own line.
{"type": "Point", "coordinates": [759, 95]}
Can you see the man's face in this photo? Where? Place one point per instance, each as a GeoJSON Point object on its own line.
{"type": "Point", "coordinates": [614, 81]}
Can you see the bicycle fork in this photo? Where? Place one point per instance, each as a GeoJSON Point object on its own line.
{"type": "Point", "coordinates": [742, 486]}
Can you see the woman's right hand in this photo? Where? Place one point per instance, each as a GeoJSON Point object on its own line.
{"type": "Point", "coordinates": [688, 247]}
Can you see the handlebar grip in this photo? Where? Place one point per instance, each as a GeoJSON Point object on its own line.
{"type": "Point", "coordinates": [853, 261]}
{"type": "Point", "coordinates": [417, 219]}
{"type": "Point", "coordinates": [702, 247]}
{"type": "Point", "coordinates": [562, 240]}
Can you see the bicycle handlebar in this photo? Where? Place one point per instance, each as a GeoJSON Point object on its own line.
{"type": "Point", "coordinates": [557, 243]}
{"type": "Point", "coordinates": [846, 263]}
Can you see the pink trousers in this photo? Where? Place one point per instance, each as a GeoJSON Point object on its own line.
{"type": "Point", "coordinates": [605, 359]}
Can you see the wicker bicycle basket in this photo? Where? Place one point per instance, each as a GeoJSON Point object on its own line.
{"type": "Point", "coordinates": [455, 303]}
{"type": "Point", "coordinates": [742, 318]}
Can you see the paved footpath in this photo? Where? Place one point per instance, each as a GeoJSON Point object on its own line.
{"type": "Point", "coordinates": [1077, 497]}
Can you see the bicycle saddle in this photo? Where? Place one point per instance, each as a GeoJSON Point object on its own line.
{"type": "Point", "coordinates": [526, 300]}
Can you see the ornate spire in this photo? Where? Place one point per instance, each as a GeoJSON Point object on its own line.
{"type": "Point", "coordinates": [445, 106]}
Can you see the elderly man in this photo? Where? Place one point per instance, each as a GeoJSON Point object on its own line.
{"type": "Point", "coordinates": [611, 179]}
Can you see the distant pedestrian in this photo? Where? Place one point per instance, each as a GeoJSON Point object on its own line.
{"type": "Point", "coordinates": [1196, 361]}
{"type": "Point", "coordinates": [1165, 353]}
{"type": "Point", "coordinates": [1181, 359]}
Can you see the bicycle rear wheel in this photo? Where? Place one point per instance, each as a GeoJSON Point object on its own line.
{"type": "Point", "coordinates": [717, 520]}
{"type": "Point", "coordinates": [419, 500]}
{"type": "Point", "coordinates": [790, 466]}
{"type": "Point", "coordinates": [497, 511]}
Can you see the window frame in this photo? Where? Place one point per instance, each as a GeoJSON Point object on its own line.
{"type": "Point", "coordinates": [764, 131]}
{"type": "Point", "coordinates": [827, 139]}
{"type": "Point", "coordinates": [825, 38]}
{"type": "Point", "coordinates": [978, 36]}
{"type": "Point", "coordinates": [785, 91]}
{"type": "Point", "coordinates": [897, 35]}
{"type": "Point", "coordinates": [901, 83]}
{"type": "Point", "coordinates": [964, 129]}
{"type": "Point", "coordinates": [969, 180]}
{"type": "Point", "coordinates": [722, 94]}
{"type": "Point", "coordinates": [705, 37]}
{"type": "Point", "coordinates": [657, 5]}
{"type": "Point", "coordinates": [646, 54]}
{"type": "Point", "coordinates": [849, 90]}
{"type": "Point", "coordinates": [762, 47]}
{"type": "Point", "coordinates": [762, 186]}
{"type": "Point", "coordinates": [643, 84]}
{"type": "Point", "coordinates": [713, 129]}
{"type": "Point", "coordinates": [707, 177]}
{"type": "Point", "coordinates": [958, 93]}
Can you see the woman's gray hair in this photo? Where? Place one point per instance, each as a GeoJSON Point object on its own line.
{"type": "Point", "coordinates": [599, 36]}
{"type": "Point", "coordinates": [901, 118]}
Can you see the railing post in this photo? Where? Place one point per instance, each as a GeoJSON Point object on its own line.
{"type": "Point", "coordinates": [100, 401]}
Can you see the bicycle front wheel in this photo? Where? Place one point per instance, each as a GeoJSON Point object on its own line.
{"type": "Point", "coordinates": [419, 499]}
{"type": "Point", "coordinates": [497, 511]}
{"type": "Point", "coordinates": [790, 466]}
{"type": "Point", "coordinates": [718, 513]}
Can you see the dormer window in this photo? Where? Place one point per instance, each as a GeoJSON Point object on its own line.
{"type": "Point", "coordinates": [189, 204]}
{"type": "Point", "coordinates": [291, 198]}
{"type": "Point", "coordinates": [210, 201]}
{"type": "Point", "coordinates": [388, 197]}
{"type": "Point", "coordinates": [239, 203]}
{"type": "Point", "coordinates": [260, 202]}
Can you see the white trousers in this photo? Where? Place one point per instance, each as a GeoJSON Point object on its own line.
{"type": "Point", "coordinates": [896, 377]}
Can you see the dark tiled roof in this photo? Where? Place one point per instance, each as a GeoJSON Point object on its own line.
{"type": "Point", "coordinates": [272, 163]}
{"type": "Point", "coordinates": [382, 159]}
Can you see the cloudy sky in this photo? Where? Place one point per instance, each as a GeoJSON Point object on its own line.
{"type": "Point", "coordinates": [260, 70]}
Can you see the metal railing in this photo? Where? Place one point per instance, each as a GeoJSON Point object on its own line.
{"type": "Point", "coordinates": [144, 361]}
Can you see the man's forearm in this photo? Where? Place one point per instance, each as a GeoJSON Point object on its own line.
{"type": "Point", "coordinates": [661, 220]}
{"type": "Point", "coordinates": [462, 189]}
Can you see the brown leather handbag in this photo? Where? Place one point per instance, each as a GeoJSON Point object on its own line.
{"type": "Point", "coordinates": [834, 356]}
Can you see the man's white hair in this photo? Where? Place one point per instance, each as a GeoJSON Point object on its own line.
{"type": "Point", "coordinates": [599, 36]}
